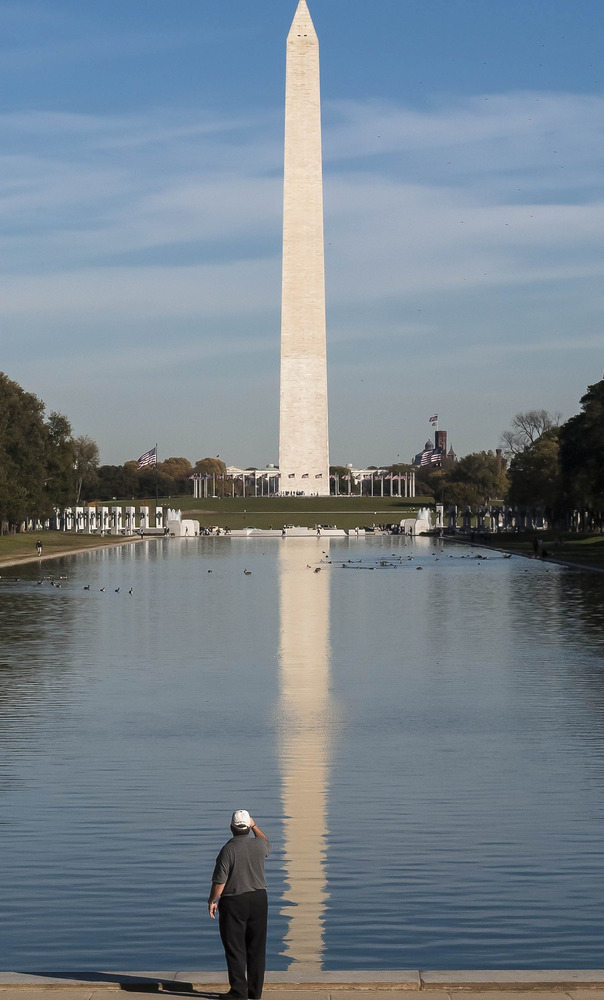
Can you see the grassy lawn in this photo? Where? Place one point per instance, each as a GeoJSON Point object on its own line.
{"type": "Point", "coordinates": [264, 512]}
{"type": "Point", "coordinates": [54, 543]}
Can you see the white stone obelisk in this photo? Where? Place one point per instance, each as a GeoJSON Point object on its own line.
{"type": "Point", "coordinates": [303, 435]}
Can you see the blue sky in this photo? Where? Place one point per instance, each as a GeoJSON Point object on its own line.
{"type": "Point", "coordinates": [141, 187]}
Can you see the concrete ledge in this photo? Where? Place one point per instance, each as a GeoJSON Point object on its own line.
{"type": "Point", "coordinates": [398, 979]}
{"type": "Point", "coordinates": [480, 981]}
{"type": "Point", "coordinates": [321, 984]}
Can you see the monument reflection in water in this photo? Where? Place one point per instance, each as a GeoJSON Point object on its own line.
{"type": "Point", "coordinates": [304, 736]}
{"type": "Point", "coordinates": [469, 723]}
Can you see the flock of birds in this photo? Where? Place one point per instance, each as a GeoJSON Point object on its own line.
{"type": "Point", "coordinates": [387, 563]}
{"type": "Point", "coordinates": [57, 583]}
{"type": "Point", "coordinates": [392, 563]}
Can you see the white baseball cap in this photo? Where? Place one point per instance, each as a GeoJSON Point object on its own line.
{"type": "Point", "coordinates": [241, 819]}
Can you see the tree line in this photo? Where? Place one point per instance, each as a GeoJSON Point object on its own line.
{"type": "Point", "coordinates": [544, 465]}
{"type": "Point", "coordinates": [44, 466]}
{"type": "Point", "coordinates": [561, 470]}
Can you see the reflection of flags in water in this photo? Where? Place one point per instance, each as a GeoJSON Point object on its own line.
{"type": "Point", "coordinates": [149, 458]}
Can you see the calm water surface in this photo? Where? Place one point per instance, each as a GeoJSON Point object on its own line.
{"type": "Point", "coordinates": [424, 748]}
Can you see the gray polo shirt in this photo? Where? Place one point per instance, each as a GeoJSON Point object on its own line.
{"type": "Point", "coordinates": [240, 865]}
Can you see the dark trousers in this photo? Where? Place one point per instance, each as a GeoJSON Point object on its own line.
{"type": "Point", "coordinates": [242, 921]}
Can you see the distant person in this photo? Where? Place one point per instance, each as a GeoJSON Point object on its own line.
{"type": "Point", "coordinates": [238, 893]}
{"type": "Point", "coordinates": [39, 547]}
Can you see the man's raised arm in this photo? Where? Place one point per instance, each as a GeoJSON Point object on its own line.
{"type": "Point", "coordinates": [256, 830]}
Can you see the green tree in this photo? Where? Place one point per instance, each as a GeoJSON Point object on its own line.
{"type": "Point", "coordinates": [119, 481]}
{"type": "Point", "coordinates": [85, 465]}
{"type": "Point", "coordinates": [582, 454]}
{"type": "Point", "coordinates": [478, 478]}
{"type": "Point", "coordinates": [60, 461]}
{"type": "Point", "coordinates": [177, 471]}
{"type": "Point", "coordinates": [35, 455]}
{"type": "Point", "coordinates": [210, 467]}
{"type": "Point", "coordinates": [535, 479]}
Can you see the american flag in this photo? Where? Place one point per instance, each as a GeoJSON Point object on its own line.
{"type": "Point", "coordinates": [436, 455]}
{"type": "Point", "coordinates": [426, 458]}
{"type": "Point", "coordinates": [149, 458]}
{"type": "Point", "coordinates": [434, 419]}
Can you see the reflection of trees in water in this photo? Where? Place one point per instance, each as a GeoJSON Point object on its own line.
{"type": "Point", "coordinates": [582, 612]}
{"type": "Point", "coordinates": [33, 640]}
{"type": "Point", "coordinates": [582, 598]}
{"type": "Point", "coordinates": [540, 625]}
{"type": "Point", "coordinates": [563, 610]}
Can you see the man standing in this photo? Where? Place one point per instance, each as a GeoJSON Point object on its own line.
{"type": "Point", "coordinates": [238, 884]}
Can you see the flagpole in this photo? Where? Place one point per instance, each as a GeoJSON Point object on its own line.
{"type": "Point", "coordinates": [156, 478]}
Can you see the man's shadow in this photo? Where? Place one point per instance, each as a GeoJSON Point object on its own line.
{"type": "Point", "coordinates": [137, 984]}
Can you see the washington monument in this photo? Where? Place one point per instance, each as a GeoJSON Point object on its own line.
{"type": "Point", "coordinates": [303, 435]}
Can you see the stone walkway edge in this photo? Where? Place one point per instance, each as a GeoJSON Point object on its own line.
{"type": "Point", "coordinates": [550, 981]}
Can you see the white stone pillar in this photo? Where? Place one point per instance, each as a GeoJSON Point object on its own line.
{"type": "Point", "coordinates": [144, 521]}
{"type": "Point", "coordinates": [116, 520]}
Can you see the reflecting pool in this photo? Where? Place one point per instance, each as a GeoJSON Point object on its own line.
{"type": "Point", "coordinates": [418, 727]}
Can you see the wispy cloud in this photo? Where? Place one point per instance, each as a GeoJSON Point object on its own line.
{"type": "Point", "coordinates": [171, 221]}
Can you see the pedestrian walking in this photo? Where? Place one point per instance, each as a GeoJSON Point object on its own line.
{"type": "Point", "coordinates": [238, 894]}
{"type": "Point", "coordinates": [39, 547]}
